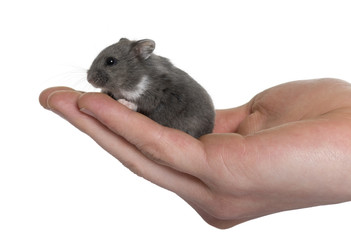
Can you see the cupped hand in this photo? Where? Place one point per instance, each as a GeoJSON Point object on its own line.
{"type": "Point", "coordinates": [288, 148]}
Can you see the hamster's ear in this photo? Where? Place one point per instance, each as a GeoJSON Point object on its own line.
{"type": "Point", "coordinates": [124, 40]}
{"type": "Point", "coordinates": [144, 48]}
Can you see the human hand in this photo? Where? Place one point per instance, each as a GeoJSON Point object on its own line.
{"type": "Point", "coordinates": [288, 148]}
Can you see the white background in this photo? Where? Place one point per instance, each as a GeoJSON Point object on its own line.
{"type": "Point", "coordinates": [56, 183]}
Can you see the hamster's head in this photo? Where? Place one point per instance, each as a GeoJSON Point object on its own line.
{"type": "Point", "coordinates": [121, 66]}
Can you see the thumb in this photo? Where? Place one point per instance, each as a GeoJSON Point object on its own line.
{"type": "Point", "coordinates": [228, 120]}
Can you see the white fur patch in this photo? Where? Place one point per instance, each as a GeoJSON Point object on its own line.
{"type": "Point", "coordinates": [139, 89]}
{"type": "Point", "coordinates": [129, 105]}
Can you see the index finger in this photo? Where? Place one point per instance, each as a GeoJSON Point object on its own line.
{"type": "Point", "coordinates": [167, 146]}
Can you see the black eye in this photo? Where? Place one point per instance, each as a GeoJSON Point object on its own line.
{"type": "Point", "coordinates": [110, 61]}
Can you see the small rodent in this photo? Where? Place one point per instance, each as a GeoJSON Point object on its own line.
{"type": "Point", "coordinates": [129, 72]}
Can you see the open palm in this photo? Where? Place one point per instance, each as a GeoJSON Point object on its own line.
{"type": "Point", "coordinates": [288, 148]}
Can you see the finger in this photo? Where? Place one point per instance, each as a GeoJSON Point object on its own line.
{"type": "Point", "coordinates": [186, 186]}
{"type": "Point", "coordinates": [228, 120]}
{"type": "Point", "coordinates": [44, 95]}
{"type": "Point", "coordinates": [167, 146]}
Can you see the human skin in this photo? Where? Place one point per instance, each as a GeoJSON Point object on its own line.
{"type": "Point", "coordinates": [288, 148]}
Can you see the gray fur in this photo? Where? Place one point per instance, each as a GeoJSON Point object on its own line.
{"type": "Point", "coordinates": [171, 97]}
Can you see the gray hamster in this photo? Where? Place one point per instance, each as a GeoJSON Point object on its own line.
{"type": "Point", "coordinates": [131, 73]}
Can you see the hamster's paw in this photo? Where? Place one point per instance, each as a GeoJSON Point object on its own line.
{"type": "Point", "coordinates": [130, 105]}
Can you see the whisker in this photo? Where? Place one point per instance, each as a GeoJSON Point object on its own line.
{"type": "Point", "coordinates": [72, 76]}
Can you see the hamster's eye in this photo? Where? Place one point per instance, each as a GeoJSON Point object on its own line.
{"type": "Point", "coordinates": [110, 61]}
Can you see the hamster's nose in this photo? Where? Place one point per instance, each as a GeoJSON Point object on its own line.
{"type": "Point", "coordinates": [97, 78]}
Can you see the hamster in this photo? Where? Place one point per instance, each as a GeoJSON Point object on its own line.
{"type": "Point", "coordinates": [131, 73]}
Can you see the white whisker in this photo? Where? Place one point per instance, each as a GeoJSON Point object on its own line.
{"type": "Point", "coordinates": [71, 76]}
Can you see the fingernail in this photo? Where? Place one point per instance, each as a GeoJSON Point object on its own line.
{"type": "Point", "coordinates": [86, 111]}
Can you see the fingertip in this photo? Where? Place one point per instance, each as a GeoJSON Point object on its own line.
{"type": "Point", "coordinates": [93, 100]}
{"type": "Point", "coordinates": [228, 120]}
{"type": "Point", "coordinates": [88, 95]}
{"type": "Point", "coordinates": [45, 94]}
